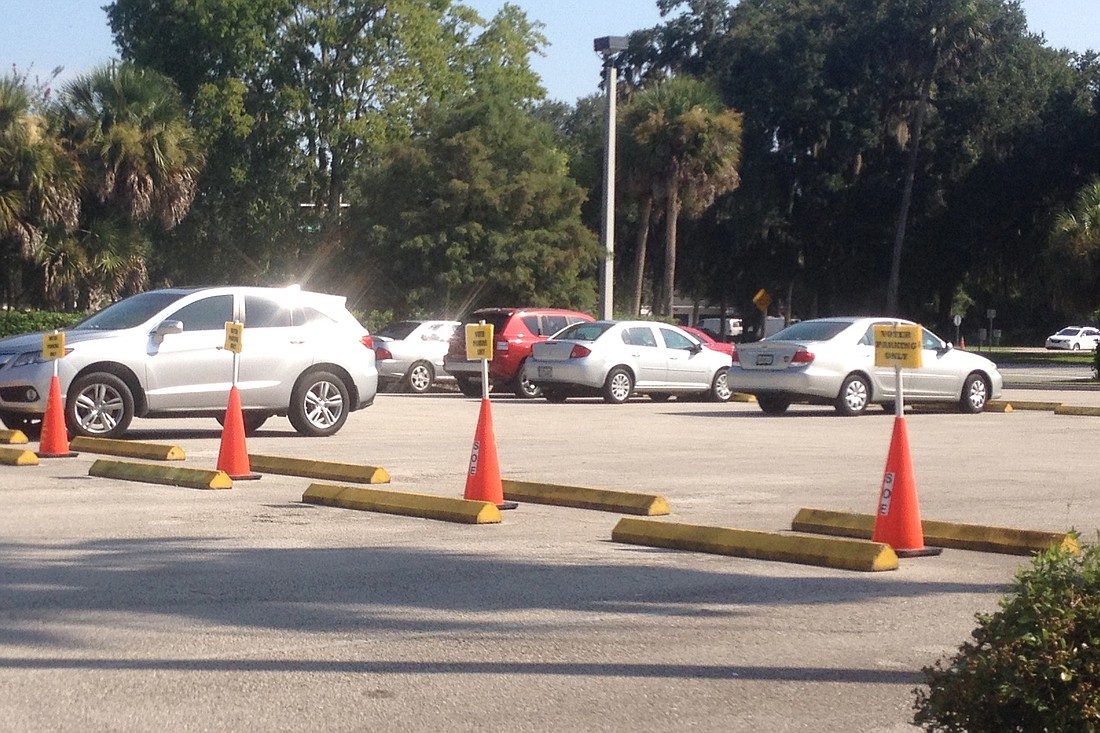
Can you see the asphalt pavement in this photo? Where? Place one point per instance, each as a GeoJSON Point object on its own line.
{"type": "Point", "coordinates": [137, 607]}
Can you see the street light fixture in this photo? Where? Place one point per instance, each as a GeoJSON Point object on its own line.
{"type": "Point", "coordinates": [607, 46]}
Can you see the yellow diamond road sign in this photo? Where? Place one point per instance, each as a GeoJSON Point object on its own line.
{"type": "Point", "coordinates": [479, 341]}
{"type": "Point", "coordinates": [762, 300]}
{"type": "Point", "coordinates": [898, 346]}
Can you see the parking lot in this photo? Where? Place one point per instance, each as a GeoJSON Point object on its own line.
{"type": "Point", "coordinates": [133, 607]}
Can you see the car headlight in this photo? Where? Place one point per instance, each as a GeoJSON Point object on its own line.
{"type": "Point", "coordinates": [32, 357]}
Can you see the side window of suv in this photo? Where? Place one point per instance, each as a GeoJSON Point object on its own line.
{"type": "Point", "coordinates": [532, 323]}
{"type": "Point", "coordinates": [265, 313]}
{"type": "Point", "coordinates": [553, 324]}
{"type": "Point", "coordinates": [208, 314]}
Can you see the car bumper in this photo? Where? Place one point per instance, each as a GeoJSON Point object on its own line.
{"type": "Point", "coordinates": [26, 389]}
{"type": "Point", "coordinates": [565, 373]}
{"type": "Point", "coordinates": [794, 382]}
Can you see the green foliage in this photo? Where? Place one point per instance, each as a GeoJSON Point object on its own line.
{"type": "Point", "coordinates": [1034, 665]}
{"type": "Point", "coordinates": [13, 323]}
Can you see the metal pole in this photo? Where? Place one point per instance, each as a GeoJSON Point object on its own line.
{"type": "Point", "coordinates": [607, 230]}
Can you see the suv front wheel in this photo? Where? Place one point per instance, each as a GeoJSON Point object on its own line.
{"type": "Point", "coordinates": [100, 405]}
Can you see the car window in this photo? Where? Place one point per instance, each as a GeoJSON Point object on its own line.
{"type": "Point", "coordinates": [208, 314]}
{"type": "Point", "coordinates": [532, 323]}
{"type": "Point", "coordinates": [931, 341]}
{"type": "Point", "coordinates": [552, 324]}
{"type": "Point", "coordinates": [132, 311]}
{"type": "Point", "coordinates": [868, 337]}
{"type": "Point", "coordinates": [676, 340]}
{"type": "Point", "coordinates": [265, 313]}
{"type": "Point", "coordinates": [584, 331]}
{"type": "Point", "coordinates": [442, 332]}
{"type": "Point", "coordinates": [639, 336]}
{"type": "Point", "coordinates": [822, 330]}
{"type": "Point", "coordinates": [310, 315]}
{"type": "Point", "coordinates": [1068, 332]}
{"type": "Point", "coordinates": [399, 330]}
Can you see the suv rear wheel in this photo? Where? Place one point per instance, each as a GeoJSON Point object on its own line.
{"type": "Point", "coordinates": [522, 387]}
{"type": "Point", "coordinates": [319, 404]}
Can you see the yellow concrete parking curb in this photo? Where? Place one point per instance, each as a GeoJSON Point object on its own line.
{"type": "Point", "coordinates": [606, 500]}
{"type": "Point", "coordinates": [192, 478]}
{"type": "Point", "coordinates": [309, 468]}
{"type": "Point", "coordinates": [1076, 410]}
{"type": "Point", "coordinates": [403, 503]}
{"type": "Point", "coordinates": [17, 457]}
{"type": "Point", "coordinates": [128, 448]}
{"type": "Point", "coordinates": [12, 437]}
{"type": "Point", "coordinates": [742, 397]}
{"type": "Point", "coordinates": [977, 537]}
{"type": "Point", "coordinates": [1032, 405]}
{"type": "Point", "coordinates": [843, 554]}
{"type": "Point", "coordinates": [998, 406]}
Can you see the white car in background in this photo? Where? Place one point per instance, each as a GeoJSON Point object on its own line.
{"type": "Point", "coordinates": [1075, 338]}
{"type": "Point", "coordinates": [162, 354]}
{"type": "Point", "coordinates": [616, 359]}
{"type": "Point", "coordinates": [410, 353]}
{"type": "Point", "coordinates": [832, 361]}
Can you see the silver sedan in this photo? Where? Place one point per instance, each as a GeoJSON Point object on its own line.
{"type": "Point", "coordinates": [410, 353]}
{"type": "Point", "coordinates": [616, 359]}
{"type": "Point", "coordinates": [832, 361]}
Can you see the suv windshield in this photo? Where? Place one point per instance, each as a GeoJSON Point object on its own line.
{"type": "Point", "coordinates": [132, 311]}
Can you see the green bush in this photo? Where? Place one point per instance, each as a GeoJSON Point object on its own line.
{"type": "Point", "coordinates": [13, 323]}
{"type": "Point", "coordinates": [1034, 665]}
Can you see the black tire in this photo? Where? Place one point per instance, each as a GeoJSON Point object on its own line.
{"type": "Point", "coordinates": [556, 396]}
{"type": "Point", "coordinates": [975, 394]}
{"type": "Point", "coordinates": [420, 377]}
{"type": "Point", "coordinates": [253, 421]}
{"type": "Point", "coordinates": [618, 386]}
{"type": "Point", "coordinates": [772, 405]}
{"type": "Point", "coordinates": [660, 396]}
{"type": "Point", "coordinates": [524, 388]}
{"type": "Point", "coordinates": [469, 387]}
{"type": "Point", "coordinates": [319, 404]}
{"type": "Point", "coordinates": [99, 405]}
{"type": "Point", "coordinates": [719, 387]}
{"type": "Point", "coordinates": [854, 396]}
{"type": "Point", "coordinates": [1076, 347]}
{"type": "Point", "coordinates": [29, 425]}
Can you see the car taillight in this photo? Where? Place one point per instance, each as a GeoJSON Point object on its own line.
{"type": "Point", "coordinates": [383, 353]}
{"type": "Point", "coordinates": [736, 358]}
{"type": "Point", "coordinates": [802, 357]}
{"type": "Point", "coordinates": [579, 352]}
{"type": "Point", "coordinates": [367, 341]}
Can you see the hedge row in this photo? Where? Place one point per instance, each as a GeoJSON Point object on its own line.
{"type": "Point", "coordinates": [13, 323]}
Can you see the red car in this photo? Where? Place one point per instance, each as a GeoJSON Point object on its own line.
{"type": "Point", "coordinates": [709, 342]}
{"type": "Point", "coordinates": [515, 330]}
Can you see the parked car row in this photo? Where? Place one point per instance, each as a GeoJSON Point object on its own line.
{"type": "Point", "coordinates": [164, 353]}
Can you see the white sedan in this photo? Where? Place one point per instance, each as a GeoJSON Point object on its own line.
{"type": "Point", "coordinates": [832, 361]}
{"type": "Point", "coordinates": [1075, 338]}
{"type": "Point", "coordinates": [616, 359]}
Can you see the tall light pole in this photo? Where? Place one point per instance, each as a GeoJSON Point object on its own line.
{"type": "Point", "coordinates": [608, 46]}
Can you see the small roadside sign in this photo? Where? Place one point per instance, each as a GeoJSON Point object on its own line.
{"type": "Point", "coordinates": [479, 341]}
{"type": "Point", "coordinates": [762, 300]}
{"type": "Point", "coordinates": [898, 345]}
{"type": "Point", "coordinates": [234, 336]}
{"type": "Point", "coordinates": [53, 346]}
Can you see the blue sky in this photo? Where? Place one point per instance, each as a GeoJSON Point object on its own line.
{"type": "Point", "coordinates": [43, 34]}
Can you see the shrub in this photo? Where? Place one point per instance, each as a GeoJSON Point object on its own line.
{"type": "Point", "coordinates": [13, 323]}
{"type": "Point", "coordinates": [1034, 665]}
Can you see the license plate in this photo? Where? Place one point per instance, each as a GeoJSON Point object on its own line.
{"type": "Point", "coordinates": [546, 372]}
{"type": "Point", "coordinates": [764, 359]}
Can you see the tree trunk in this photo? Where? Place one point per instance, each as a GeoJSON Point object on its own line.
{"type": "Point", "coordinates": [672, 215]}
{"type": "Point", "coordinates": [641, 243]}
{"type": "Point", "coordinates": [894, 283]}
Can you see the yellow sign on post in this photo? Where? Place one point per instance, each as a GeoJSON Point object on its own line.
{"type": "Point", "coordinates": [898, 346]}
{"type": "Point", "coordinates": [53, 346]}
{"type": "Point", "coordinates": [762, 300]}
{"type": "Point", "coordinates": [234, 336]}
{"type": "Point", "coordinates": [479, 341]}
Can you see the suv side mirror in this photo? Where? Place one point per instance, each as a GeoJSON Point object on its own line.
{"type": "Point", "coordinates": [167, 327]}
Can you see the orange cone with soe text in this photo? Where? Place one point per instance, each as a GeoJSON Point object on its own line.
{"type": "Point", "coordinates": [897, 521]}
{"type": "Point", "coordinates": [483, 482]}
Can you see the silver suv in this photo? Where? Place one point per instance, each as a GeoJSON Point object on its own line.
{"type": "Point", "coordinates": [161, 354]}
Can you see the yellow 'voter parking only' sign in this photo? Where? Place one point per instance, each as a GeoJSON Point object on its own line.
{"type": "Point", "coordinates": [898, 346]}
{"type": "Point", "coordinates": [53, 346]}
{"type": "Point", "coordinates": [479, 341]}
{"type": "Point", "coordinates": [234, 336]}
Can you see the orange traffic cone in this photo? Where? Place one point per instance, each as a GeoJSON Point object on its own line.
{"type": "Point", "coordinates": [483, 481]}
{"type": "Point", "coordinates": [233, 454]}
{"type": "Point", "coordinates": [54, 441]}
{"type": "Point", "coordinates": [962, 342]}
{"type": "Point", "coordinates": [897, 522]}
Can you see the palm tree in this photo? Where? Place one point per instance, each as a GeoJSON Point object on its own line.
{"type": "Point", "coordinates": [39, 184]}
{"type": "Point", "coordinates": [687, 146]}
{"type": "Point", "coordinates": [128, 127]}
{"type": "Point", "coordinates": [1074, 250]}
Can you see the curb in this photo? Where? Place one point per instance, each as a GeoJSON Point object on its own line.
{"type": "Point", "coordinates": [402, 503]}
{"type": "Point", "coordinates": [128, 448]}
{"type": "Point", "coordinates": [309, 468]}
{"type": "Point", "coordinates": [579, 497]}
{"type": "Point", "coordinates": [13, 436]}
{"type": "Point", "coordinates": [18, 457]}
{"type": "Point", "coordinates": [1031, 405]}
{"type": "Point", "coordinates": [191, 478]}
{"type": "Point", "coordinates": [742, 397]}
{"type": "Point", "coordinates": [1076, 410]}
{"type": "Point", "coordinates": [843, 554]}
{"type": "Point", "coordinates": [976, 537]}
